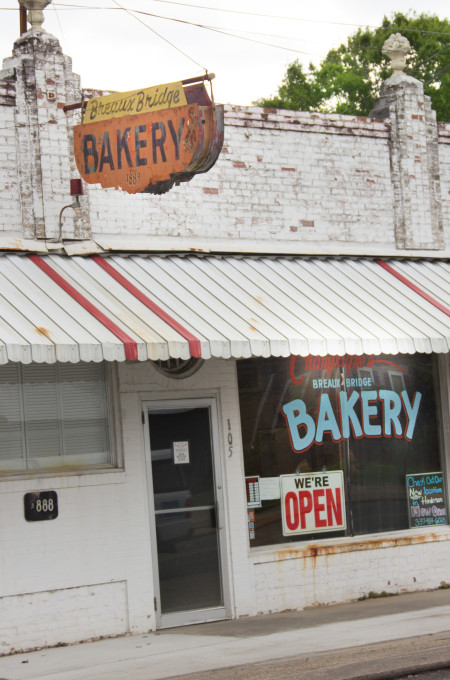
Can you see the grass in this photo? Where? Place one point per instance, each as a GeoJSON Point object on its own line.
{"type": "Point", "coordinates": [372, 595]}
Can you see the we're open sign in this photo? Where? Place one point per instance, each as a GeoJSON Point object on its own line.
{"type": "Point", "coordinates": [312, 502]}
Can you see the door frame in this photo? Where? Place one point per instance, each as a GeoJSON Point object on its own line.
{"type": "Point", "coordinates": [195, 615]}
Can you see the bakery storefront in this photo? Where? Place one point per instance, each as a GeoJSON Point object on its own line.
{"type": "Point", "coordinates": [189, 438]}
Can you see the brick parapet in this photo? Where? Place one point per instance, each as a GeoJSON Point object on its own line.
{"type": "Point", "coordinates": [303, 121]}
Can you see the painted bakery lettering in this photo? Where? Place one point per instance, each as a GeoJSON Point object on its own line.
{"type": "Point", "coordinates": [133, 146]}
{"type": "Point", "coordinates": [356, 417]}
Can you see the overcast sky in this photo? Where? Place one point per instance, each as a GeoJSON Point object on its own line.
{"type": "Point", "coordinates": [112, 49]}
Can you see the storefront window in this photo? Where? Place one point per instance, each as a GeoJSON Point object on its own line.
{"type": "Point", "coordinates": [54, 415]}
{"type": "Point", "coordinates": [373, 418]}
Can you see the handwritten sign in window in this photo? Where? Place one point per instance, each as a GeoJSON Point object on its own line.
{"type": "Point", "coordinates": [426, 499]}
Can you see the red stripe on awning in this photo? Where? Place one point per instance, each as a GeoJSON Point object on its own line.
{"type": "Point", "coordinates": [129, 344]}
{"type": "Point", "coordinates": [414, 287]}
{"type": "Point", "coordinates": [194, 343]}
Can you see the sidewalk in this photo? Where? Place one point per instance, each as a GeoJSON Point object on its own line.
{"type": "Point", "coordinates": [347, 641]}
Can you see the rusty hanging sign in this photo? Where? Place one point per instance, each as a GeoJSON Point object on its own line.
{"type": "Point", "coordinates": [147, 140]}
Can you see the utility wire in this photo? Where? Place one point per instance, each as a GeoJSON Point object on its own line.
{"type": "Point", "coordinates": [231, 34]}
{"type": "Point", "coordinates": [219, 30]}
{"type": "Point", "coordinates": [373, 96]}
{"type": "Point", "coordinates": [415, 70]}
{"type": "Point", "coordinates": [57, 17]}
{"type": "Point", "coordinates": [160, 36]}
{"type": "Point", "coordinates": [227, 32]}
{"type": "Point", "coordinates": [437, 74]}
{"type": "Point", "coordinates": [274, 16]}
{"type": "Point", "coordinates": [235, 11]}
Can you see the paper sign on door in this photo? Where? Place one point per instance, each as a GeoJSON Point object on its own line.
{"type": "Point", "coordinates": [180, 452]}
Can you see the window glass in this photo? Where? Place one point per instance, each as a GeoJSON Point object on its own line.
{"type": "Point", "coordinates": [53, 415]}
{"type": "Point", "coordinates": [373, 418]}
{"type": "Point", "coordinates": [193, 479]}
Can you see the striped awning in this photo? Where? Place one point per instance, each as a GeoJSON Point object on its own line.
{"type": "Point", "coordinates": [117, 308]}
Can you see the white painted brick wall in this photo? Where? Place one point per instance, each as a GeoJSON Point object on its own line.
{"type": "Point", "coordinates": [414, 165]}
{"type": "Point", "coordinates": [269, 184]}
{"type": "Point", "coordinates": [43, 82]}
{"type": "Point", "coordinates": [10, 210]}
{"type": "Point", "coordinates": [290, 579]}
{"type": "Point", "coordinates": [68, 615]}
{"type": "Point", "coordinates": [100, 536]}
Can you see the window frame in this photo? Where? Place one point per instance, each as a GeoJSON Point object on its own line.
{"type": "Point", "coordinates": [114, 431]}
{"type": "Point", "coordinates": [441, 384]}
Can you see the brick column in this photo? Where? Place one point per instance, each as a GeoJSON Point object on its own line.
{"type": "Point", "coordinates": [414, 161]}
{"type": "Point", "coordinates": [44, 82]}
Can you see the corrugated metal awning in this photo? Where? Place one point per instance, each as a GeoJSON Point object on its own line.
{"type": "Point", "coordinates": [56, 308]}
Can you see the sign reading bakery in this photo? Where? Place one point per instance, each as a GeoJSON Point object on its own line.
{"type": "Point", "coordinates": [147, 140]}
{"type": "Point", "coordinates": [358, 408]}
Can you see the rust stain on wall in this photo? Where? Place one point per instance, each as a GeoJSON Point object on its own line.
{"type": "Point", "coordinates": [314, 551]}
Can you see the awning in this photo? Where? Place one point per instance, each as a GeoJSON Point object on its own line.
{"type": "Point", "coordinates": [117, 308]}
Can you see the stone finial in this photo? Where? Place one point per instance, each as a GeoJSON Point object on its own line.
{"type": "Point", "coordinates": [396, 48]}
{"type": "Point", "coordinates": [35, 15]}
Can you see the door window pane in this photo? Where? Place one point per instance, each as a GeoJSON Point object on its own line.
{"type": "Point", "coordinates": [188, 561]}
{"type": "Point", "coordinates": [195, 478]}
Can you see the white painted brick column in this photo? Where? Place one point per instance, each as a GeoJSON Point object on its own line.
{"type": "Point", "coordinates": [44, 83]}
{"type": "Point", "coordinates": [414, 162]}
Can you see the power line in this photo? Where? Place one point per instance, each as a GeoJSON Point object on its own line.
{"type": "Point", "coordinates": [222, 31]}
{"type": "Point", "coordinates": [242, 12]}
{"type": "Point", "coordinates": [161, 36]}
{"type": "Point", "coordinates": [57, 16]}
{"type": "Point", "coordinates": [227, 32]}
{"type": "Point", "coordinates": [418, 65]}
{"type": "Point", "coordinates": [274, 16]}
{"type": "Point", "coordinates": [285, 18]}
{"type": "Point", "coordinates": [446, 68]}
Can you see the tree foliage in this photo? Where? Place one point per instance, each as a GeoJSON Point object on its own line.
{"type": "Point", "coordinates": [348, 80]}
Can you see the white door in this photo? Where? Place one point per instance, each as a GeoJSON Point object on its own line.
{"type": "Point", "coordinates": [185, 492]}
